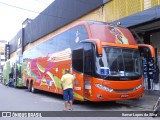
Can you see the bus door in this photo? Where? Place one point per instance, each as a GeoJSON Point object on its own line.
{"type": "Point", "coordinates": [150, 67]}
{"type": "Point", "coordinates": [77, 71]}
{"type": "Point", "coordinates": [82, 63]}
{"type": "Point", "coordinates": [88, 70]}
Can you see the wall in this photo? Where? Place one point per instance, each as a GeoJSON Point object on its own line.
{"type": "Point", "coordinates": [116, 9]}
{"type": "Point", "coordinates": [155, 41]}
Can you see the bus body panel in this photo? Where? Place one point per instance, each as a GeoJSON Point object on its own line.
{"type": "Point", "coordinates": [47, 77]}
{"type": "Point", "coordinates": [122, 90]}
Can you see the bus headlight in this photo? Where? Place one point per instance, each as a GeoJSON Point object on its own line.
{"type": "Point", "coordinates": [139, 86]}
{"type": "Point", "coordinates": [104, 87]}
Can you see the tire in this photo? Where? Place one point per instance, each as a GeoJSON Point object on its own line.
{"type": "Point", "coordinates": [76, 102]}
{"type": "Point", "coordinates": [29, 87]}
{"type": "Point", "coordinates": [15, 84]}
{"type": "Point", "coordinates": [33, 90]}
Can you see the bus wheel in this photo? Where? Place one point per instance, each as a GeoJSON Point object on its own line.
{"type": "Point", "coordinates": [76, 102]}
{"type": "Point", "coordinates": [15, 84]}
{"type": "Point", "coordinates": [29, 87]}
{"type": "Point", "coordinates": [33, 90]}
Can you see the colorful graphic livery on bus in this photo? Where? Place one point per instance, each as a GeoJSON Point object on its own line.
{"type": "Point", "coordinates": [104, 59]}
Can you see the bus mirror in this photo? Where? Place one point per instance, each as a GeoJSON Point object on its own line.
{"type": "Point", "coordinates": [97, 43]}
{"type": "Point", "coordinates": [146, 49]}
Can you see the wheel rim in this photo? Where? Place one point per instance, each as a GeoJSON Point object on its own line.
{"type": "Point", "coordinates": [14, 84]}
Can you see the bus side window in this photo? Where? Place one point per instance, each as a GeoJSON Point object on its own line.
{"type": "Point", "coordinates": [77, 60]}
{"type": "Point", "coordinates": [82, 59]}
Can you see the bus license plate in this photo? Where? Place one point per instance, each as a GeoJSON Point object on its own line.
{"type": "Point", "coordinates": [124, 96]}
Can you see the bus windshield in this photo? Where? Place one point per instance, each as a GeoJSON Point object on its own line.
{"type": "Point", "coordinates": [119, 62]}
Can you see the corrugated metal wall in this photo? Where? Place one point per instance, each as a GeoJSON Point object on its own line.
{"type": "Point", "coordinates": [117, 9]}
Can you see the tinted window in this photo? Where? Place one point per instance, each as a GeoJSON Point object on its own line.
{"type": "Point", "coordinates": [67, 39]}
{"type": "Point", "coordinates": [77, 60]}
{"type": "Point", "coordinates": [120, 62]}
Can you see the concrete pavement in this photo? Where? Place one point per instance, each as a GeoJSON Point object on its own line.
{"type": "Point", "coordinates": [147, 101]}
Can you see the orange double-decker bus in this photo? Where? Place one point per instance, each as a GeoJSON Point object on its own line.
{"type": "Point", "coordinates": [104, 59]}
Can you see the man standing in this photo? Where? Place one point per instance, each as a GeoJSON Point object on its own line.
{"type": "Point", "coordinates": [67, 82]}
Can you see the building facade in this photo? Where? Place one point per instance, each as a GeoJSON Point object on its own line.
{"type": "Point", "coordinates": [142, 17]}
